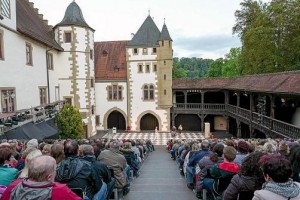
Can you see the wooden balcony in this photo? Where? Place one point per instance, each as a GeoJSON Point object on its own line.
{"type": "Point", "coordinates": [267, 125]}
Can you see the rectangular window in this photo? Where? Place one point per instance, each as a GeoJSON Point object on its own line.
{"type": "Point", "coordinates": [145, 50]}
{"type": "Point", "coordinates": [68, 100]}
{"type": "Point", "coordinates": [97, 120]}
{"type": "Point", "coordinates": [1, 47]}
{"type": "Point", "coordinates": [5, 8]}
{"type": "Point", "coordinates": [110, 97]}
{"type": "Point", "coordinates": [154, 50]}
{"type": "Point", "coordinates": [165, 92]}
{"type": "Point", "coordinates": [165, 77]}
{"type": "Point", "coordinates": [28, 54]}
{"type": "Point", "coordinates": [50, 61]}
{"type": "Point", "coordinates": [165, 62]}
{"type": "Point", "coordinates": [140, 68]}
{"type": "Point", "coordinates": [147, 68]}
{"type": "Point", "coordinates": [120, 93]}
{"type": "Point", "coordinates": [8, 99]}
{"type": "Point", "coordinates": [43, 95]}
{"type": "Point", "coordinates": [135, 51]}
{"type": "Point", "coordinates": [67, 37]}
{"type": "Point", "coordinates": [115, 92]}
{"type": "Point", "coordinates": [162, 43]}
{"type": "Point", "coordinates": [155, 68]}
{"type": "Point", "coordinates": [91, 54]}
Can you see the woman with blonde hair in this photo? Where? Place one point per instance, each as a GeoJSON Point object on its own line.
{"type": "Point", "coordinates": [33, 154]}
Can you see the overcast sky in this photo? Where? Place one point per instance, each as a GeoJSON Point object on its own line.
{"type": "Point", "coordinates": [199, 28]}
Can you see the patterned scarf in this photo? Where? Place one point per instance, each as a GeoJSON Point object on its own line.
{"type": "Point", "coordinates": [288, 189]}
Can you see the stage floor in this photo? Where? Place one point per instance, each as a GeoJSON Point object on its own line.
{"type": "Point", "coordinates": [156, 138]}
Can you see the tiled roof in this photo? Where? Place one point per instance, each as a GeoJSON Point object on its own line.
{"type": "Point", "coordinates": [73, 16]}
{"type": "Point", "coordinates": [147, 35]}
{"type": "Point", "coordinates": [283, 82]}
{"type": "Point", "coordinates": [30, 24]}
{"type": "Point", "coordinates": [110, 60]}
{"type": "Point", "coordinates": [165, 35]}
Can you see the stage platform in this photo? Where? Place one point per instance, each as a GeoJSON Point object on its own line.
{"type": "Point", "coordinates": [156, 138]}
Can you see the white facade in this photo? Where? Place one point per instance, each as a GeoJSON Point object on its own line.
{"type": "Point", "coordinates": [137, 80]}
{"type": "Point", "coordinates": [104, 106]}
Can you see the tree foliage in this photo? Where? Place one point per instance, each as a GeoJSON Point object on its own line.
{"type": "Point", "coordinates": [69, 123]}
{"type": "Point", "coordinates": [190, 67]}
{"type": "Point", "coordinates": [270, 36]}
{"type": "Point", "coordinates": [226, 67]}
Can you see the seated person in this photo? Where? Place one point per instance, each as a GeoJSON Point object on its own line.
{"type": "Point", "coordinates": [7, 173]}
{"type": "Point", "coordinates": [103, 180]}
{"type": "Point", "coordinates": [74, 171]}
{"type": "Point", "coordinates": [117, 163]}
{"type": "Point", "coordinates": [249, 179]}
{"type": "Point", "coordinates": [193, 161]}
{"type": "Point", "coordinates": [278, 184]}
{"type": "Point", "coordinates": [131, 158]}
{"type": "Point", "coordinates": [222, 171]}
{"type": "Point", "coordinates": [40, 183]}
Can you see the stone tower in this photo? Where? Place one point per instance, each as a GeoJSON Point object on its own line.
{"type": "Point", "coordinates": [76, 64]}
{"type": "Point", "coordinates": [149, 78]}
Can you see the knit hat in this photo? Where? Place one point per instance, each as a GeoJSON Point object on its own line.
{"type": "Point", "coordinates": [33, 143]}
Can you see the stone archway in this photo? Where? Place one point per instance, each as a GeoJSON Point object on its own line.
{"type": "Point", "coordinates": [148, 116]}
{"type": "Point", "coordinates": [117, 120]}
{"type": "Point", "coordinates": [148, 122]}
{"type": "Point", "coordinates": [116, 114]}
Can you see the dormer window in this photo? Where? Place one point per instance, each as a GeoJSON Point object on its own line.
{"type": "Point", "coordinates": [135, 51]}
{"type": "Point", "coordinates": [67, 37]}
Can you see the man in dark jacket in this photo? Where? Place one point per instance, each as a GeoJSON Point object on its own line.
{"type": "Point", "coordinates": [104, 183]}
{"type": "Point", "coordinates": [74, 171]}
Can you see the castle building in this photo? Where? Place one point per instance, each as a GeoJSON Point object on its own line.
{"type": "Point", "coordinates": [41, 64]}
{"type": "Point", "coordinates": [134, 80]}
{"type": "Point", "coordinates": [122, 84]}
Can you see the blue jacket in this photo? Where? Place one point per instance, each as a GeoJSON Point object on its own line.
{"type": "Point", "coordinates": [197, 157]}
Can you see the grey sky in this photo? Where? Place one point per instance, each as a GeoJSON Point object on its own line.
{"type": "Point", "coordinates": [200, 28]}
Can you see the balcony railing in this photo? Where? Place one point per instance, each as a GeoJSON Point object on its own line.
{"type": "Point", "coordinates": [263, 122]}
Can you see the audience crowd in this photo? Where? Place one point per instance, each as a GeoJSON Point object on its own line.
{"type": "Point", "coordinates": [69, 169]}
{"type": "Point", "coordinates": [239, 169]}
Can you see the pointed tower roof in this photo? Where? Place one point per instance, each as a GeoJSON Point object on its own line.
{"type": "Point", "coordinates": [73, 16]}
{"type": "Point", "coordinates": [147, 35]}
{"type": "Point", "coordinates": [165, 33]}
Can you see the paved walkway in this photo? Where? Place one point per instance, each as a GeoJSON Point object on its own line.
{"type": "Point", "coordinates": [160, 180]}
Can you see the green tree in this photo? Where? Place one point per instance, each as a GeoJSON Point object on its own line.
{"type": "Point", "coordinates": [270, 35]}
{"type": "Point", "coordinates": [215, 69]}
{"type": "Point", "coordinates": [231, 67]}
{"type": "Point", "coordinates": [178, 72]}
{"type": "Point", "coordinates": [69, 123]}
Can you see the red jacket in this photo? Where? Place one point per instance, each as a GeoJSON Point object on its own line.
{"type": "Point", "coordinates": [59, 191]}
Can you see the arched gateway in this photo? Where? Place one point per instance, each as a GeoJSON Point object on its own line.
{"type": "Point", "coordinates": [116, 119]}
{"type": "Point", "coordinates": [148, 122]}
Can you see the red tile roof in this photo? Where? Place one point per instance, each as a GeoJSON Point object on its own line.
{"type": "Point", "coordinates": [283, 82]}
{"type": "Point", "coordinates": [110, 56]}
{"type": "Point", "coordinates": [32, 25]}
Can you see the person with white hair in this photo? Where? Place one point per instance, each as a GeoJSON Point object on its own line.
{"type": "Point", "coordinates": [40, 183]}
